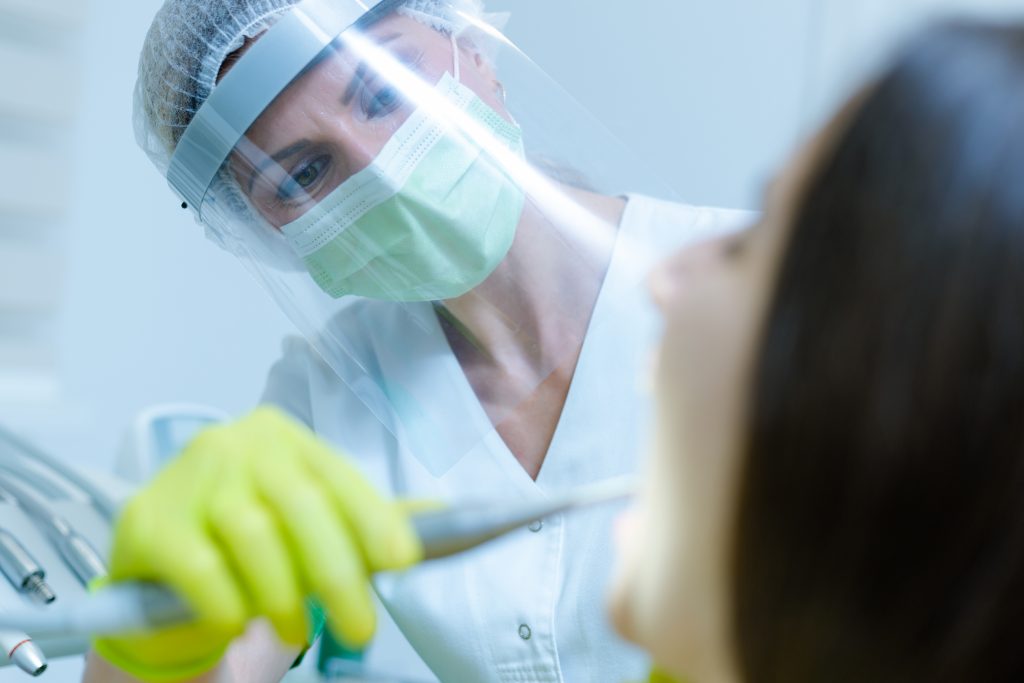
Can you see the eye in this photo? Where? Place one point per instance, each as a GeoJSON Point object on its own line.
{"type": "Point", "coordinates": [381, 103]}
{"type": "Point", "coordinates": [377, 102]}
{"type": "Point", "coordinates": [303, 177]}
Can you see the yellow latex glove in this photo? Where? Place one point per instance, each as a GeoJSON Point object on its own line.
{"type": "Point", "coordinates": [659, 676]}
{"type": "Point", "coordinates": [248, 521]}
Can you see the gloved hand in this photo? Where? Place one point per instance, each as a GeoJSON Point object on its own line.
{"type": "Point", "coordinates": [248, 521]}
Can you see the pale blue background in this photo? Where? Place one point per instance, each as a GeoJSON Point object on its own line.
{"type": "Point", "coordinates": [713, 94]}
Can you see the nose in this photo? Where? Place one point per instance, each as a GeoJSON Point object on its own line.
{"type": "Point", "coordinates": [357, 151]}
{"type": "Point", "coordinates": [353, 144]}
{"type": "Point", "coordinates": [669, 277]}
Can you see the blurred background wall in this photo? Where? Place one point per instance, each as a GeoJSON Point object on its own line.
{"type": "Point", "coordinates": [110, 298]}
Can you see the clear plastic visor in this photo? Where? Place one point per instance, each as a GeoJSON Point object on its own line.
{"type": "Point", "coordinates": [438, 226]}
{"type": "Point", "coordinates": [339, 116]}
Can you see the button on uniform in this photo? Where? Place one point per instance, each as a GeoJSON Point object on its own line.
{"type": "Point", "coordinates": [536, 525]}
{"type": "Point", "coordinates": [524, 632]}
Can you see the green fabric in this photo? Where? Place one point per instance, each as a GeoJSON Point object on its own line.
{"type": "Point", "coordinates": [317, 620]}
{"type": "Point", "coordinates": [332, 652]}
{"type": "Point", "coordinates": [439, 236]}
{"type": "Point", "coordinates": [317, 623]}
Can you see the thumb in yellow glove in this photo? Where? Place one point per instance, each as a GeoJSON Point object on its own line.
{"type": "Point", "coordinates": [248, 521]}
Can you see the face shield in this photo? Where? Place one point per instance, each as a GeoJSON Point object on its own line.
{"type": "Point", "coordinates": [432, 211]}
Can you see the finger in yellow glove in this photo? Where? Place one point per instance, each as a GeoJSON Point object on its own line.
{"type": "Point", "coordinates": [248, 521]}
{"type": "Point", "coordinates": [659, 676]}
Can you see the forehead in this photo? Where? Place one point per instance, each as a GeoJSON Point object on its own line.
{"type": "Point", "coordinates": [340, 64]}
{"type": "Point", "coordinates": [325, 83]}
{"type": "Point", "coordinates": [392, 29]}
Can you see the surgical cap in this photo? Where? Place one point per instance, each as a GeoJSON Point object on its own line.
{"type": "Point", "coordinates": [189, 40]}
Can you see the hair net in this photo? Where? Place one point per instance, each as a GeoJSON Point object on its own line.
{"type": "Point", "coordinates": [189, 40]}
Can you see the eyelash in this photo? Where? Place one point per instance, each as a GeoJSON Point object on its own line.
{"type": "Point", "coordinates": [374, 108]}
{"type": "Point", "coordinates": [410, 62]}
{"type": "Point", "coordinates": [292, 188]}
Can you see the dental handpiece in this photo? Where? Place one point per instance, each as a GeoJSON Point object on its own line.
{"type": "Point", "coordinates": [20, 649]}
{"type": "Point", "coordinates": [25, 451]}
{"type": "Point", "coordinates": [22, 652]}
{"type": "Point", "coordinates": [79, 555]}
{"type": "Point", "coordinates": [22, 570]}
{"type": "Point", "coordinates": [448, 531]}
{"type": "Point", "coordinates": [133, 607]}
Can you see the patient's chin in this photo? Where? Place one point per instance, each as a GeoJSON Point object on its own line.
{"type": "Point", "coordinates": [621, 609]}
{"type": "Point", "coordinates": [622, 595]}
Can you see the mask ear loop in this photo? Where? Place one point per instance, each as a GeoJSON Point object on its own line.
{"type": "Point", "coordinates": [455, 56]}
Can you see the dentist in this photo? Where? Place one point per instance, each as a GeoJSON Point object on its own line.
{"type": "Point", "coordinates": [458, 243]}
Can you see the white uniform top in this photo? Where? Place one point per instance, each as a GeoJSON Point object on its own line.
{"type": "Point", "coordinates": [529, 608]}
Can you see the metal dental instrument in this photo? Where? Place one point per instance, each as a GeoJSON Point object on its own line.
{"type": "Point", "coordinates": [448, 531]}
{"type": "Point", "coordinates": [37, 480]}
{"type": "Point", "coordinates": [344, 671]}
{"type": "Point", "coordinates": [22, 570]}
{"type": "Point", "coordinates": [77, 552]}
{"type": "Point", "coordinates": [19, 647]}
{"type": "Point", "coordinates": [23, 450]}
{"type": "Point", "coordinates": [22, 652]}
{"type": "Point", "coordinates": [132, 607]}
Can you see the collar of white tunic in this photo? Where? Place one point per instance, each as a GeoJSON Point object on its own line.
{"type": "Point", "coordinates": [434, 412]}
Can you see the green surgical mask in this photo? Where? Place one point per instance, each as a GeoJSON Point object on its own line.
{"type": "Point", "coordinates": [429, 219]}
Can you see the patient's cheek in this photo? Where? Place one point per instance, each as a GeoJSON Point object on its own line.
{"type": "Point", "coordinates": [625, 526]}
{"type": "Point", "coordinates": [644, 539]}
{"type": "Point", "coordinates": [624, 596]}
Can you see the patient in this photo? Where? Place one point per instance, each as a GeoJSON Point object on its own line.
{"type": "Point", "coordinates": [838, 489]}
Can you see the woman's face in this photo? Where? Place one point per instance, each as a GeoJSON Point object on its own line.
{"type": "Point", "coordinates": [671, 593]}
{"type": "Point", "coordinates": [335, 119]}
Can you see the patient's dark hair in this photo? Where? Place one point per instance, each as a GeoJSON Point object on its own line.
{"type": "Point", "coordinates": [880, 527]}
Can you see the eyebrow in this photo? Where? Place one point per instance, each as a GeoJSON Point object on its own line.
{"type": "Point", "coordinates": [277, 158]}
{"type": "Point", "coordinates": [350, 92]}
{"type": "Point", "coordinates": [360, 76]}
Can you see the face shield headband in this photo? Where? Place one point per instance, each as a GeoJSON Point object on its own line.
{"type": "Point", "coordinates": [245, 92]}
